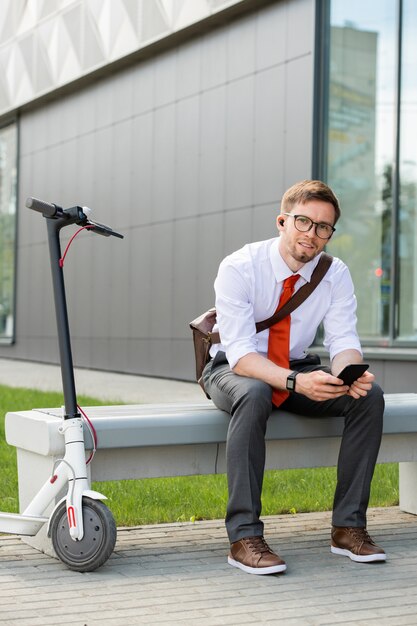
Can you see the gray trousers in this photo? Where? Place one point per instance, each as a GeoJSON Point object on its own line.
{"type": "Point", "coordinates": [248, 402]}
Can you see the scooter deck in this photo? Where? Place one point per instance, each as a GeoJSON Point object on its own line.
{"type": "Point", "coordinates": [15, 524]}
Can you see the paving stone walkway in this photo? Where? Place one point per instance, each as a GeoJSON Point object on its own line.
{"type": "Point", "coordinates": [178, 574]}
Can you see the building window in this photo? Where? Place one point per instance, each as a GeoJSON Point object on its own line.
{"type": "Point", "coordinates": [8, 175]}
{"type": "Point", "coordinates": [407, 169]}
{"type": "Point", "coordinates": [367, 153]}
{"type": "Point", "coordinates": [359, 138]}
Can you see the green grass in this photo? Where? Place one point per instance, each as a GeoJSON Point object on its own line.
{"type": "Point", "coordinates": [204, 497]}
{"type": "Point", "coordinates": [158, 500]}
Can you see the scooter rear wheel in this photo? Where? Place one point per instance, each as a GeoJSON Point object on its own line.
{"type": "Point", "coordinates": [97, 544]}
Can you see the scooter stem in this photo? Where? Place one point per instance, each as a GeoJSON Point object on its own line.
{"type": "Point", "coordinates": [54, 225]}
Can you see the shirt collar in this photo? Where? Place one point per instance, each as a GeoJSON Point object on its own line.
{"type": "Point", "coordinates": [281, 269]}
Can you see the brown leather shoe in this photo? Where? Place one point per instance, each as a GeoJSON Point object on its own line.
{"type": "Point", "coordinates": [254, 556]}
{"type": "Point", "coordinates": [356, 544]}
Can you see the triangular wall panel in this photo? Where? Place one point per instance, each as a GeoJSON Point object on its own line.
{"type": "Point", "coordinates": [47, 43]}
{"type": "Point", "coordinates": [93, 54]}
{"type": "Point", "coordinates": [43, 80]}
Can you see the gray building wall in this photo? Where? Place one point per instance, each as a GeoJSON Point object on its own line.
{"type": "Point", "coordinates": [187, 153]}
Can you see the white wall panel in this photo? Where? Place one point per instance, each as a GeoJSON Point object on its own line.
{"type": "Point", "coordinates": [187, 163]}
{"type": "Point", "coordinates": [239, 142]}
{"type": "Point", "coordinates": [212, 179]}
{"type": "Point", "coordinates": [268, 150]}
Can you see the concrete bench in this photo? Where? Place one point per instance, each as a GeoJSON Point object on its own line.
{"type": "Point", "coordinates": [143, 441]}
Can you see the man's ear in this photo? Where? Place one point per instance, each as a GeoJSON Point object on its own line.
{"type": "Point", "coordinates": [280, 222]}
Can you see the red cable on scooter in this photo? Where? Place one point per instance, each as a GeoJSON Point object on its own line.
{"type": "Point", "coordinates": [61, 260]}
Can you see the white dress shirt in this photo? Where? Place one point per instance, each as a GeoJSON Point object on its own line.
{"type": "Point", "coordinates": [248, 287]}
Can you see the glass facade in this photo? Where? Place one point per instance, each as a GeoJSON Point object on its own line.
{"type": "Point", "coordinates": [8, 187]}
{"type": "Point", "coordinates": [407, 168]}
{"type": "Point", "coordinates": [370, 139]}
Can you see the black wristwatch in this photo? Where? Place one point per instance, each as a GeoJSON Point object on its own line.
{"type": "Point", "coordinates": [291, 381]}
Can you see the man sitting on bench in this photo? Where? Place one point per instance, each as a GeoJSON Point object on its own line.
{"type": "Point", "coordinates": [249, 374]}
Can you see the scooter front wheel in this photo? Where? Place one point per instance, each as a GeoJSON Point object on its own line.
{"type": "Point", "coordinates": [97, 544]}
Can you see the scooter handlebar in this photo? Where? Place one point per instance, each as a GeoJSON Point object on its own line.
{"type": "Point", "coordinates": [47, 209]}
{"type": "Point", "coordinates": [102, 229]}
{"type": "Point", "coordinates": [79, 215]}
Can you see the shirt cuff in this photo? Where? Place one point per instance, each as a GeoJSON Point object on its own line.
{"type": "Point", "coordinates": [238, 350]}
{"type": "Point", "coordinates": [337, 347]}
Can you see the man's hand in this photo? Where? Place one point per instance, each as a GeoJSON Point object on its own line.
{"type": "Point", "coordinates": [317, 385]}
{"type": "Point", "coordinates": [361, 386]}
{"type": "Point", "coordinates": [320, 386]}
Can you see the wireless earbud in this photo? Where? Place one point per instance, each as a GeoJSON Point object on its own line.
{"type": "Point", "coordinates": [281, 222]}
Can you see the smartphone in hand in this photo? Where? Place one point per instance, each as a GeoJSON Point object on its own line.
{"type": "Point", "coordinates": [352, 372]}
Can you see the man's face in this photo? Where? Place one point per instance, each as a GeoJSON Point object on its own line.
{"type": "Point", "coordinates": [298, 247]}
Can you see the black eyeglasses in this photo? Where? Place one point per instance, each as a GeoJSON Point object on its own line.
{"type": "Point", "coordinates": [304, 224]}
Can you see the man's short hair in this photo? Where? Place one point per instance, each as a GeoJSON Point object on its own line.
{"type": "Point", "coordinates": [307, 190]}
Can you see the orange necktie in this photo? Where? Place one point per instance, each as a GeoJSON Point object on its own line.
{"type": "Point", "coordinates": [279, 338]}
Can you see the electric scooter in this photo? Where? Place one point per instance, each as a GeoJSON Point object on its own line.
{"type": "Point", "coordinates": [81, 527]}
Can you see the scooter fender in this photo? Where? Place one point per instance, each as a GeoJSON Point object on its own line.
{"type": "Point", "coordinates": [88, 493]}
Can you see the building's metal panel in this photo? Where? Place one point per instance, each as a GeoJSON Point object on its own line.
{"type": "Point", "coordinates": [187, 154]}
